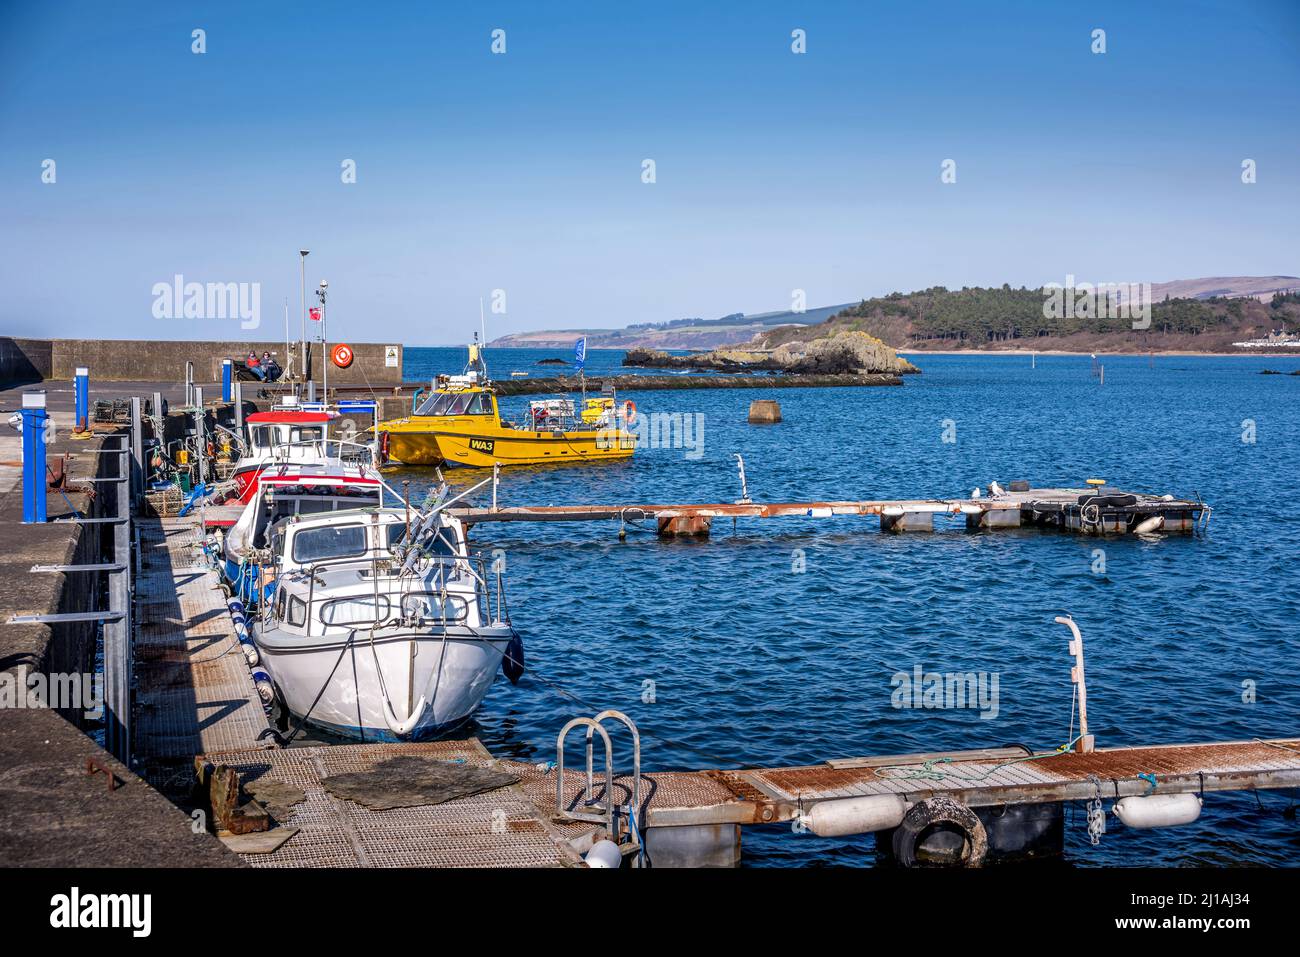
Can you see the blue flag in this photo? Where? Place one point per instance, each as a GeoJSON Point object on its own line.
{"type": "Point", "coordinates": [580, 352]}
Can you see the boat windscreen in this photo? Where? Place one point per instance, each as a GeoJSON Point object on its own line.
{"type": "Point", "coordinates": [435, 404]}
{"type": "Point", "coordinates": [331, 541]}
{"type": "Point", "coordinates": [441, 544]}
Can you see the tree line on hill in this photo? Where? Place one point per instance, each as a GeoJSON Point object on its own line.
{"type": "Point", "coordinates": [978, 316]}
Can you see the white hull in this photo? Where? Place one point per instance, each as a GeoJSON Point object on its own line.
{"type": "Point", "coordinates": [430, 682]}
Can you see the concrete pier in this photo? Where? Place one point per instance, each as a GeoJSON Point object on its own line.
{"type": "Point", "coordinates": [56, 804]}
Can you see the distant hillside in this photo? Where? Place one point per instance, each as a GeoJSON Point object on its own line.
{"type": "Point", "coordinates": [1005, 318]}
{"type": "Point", "coordinates": [672, 334]}
{"type": "Point", "coordinates": [1262, 288]}
{"type": "Point", "coordinates": [1197, 315]}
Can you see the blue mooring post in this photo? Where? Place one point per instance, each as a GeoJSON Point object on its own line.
{"type": "Point", "coordinates": [225, 380]}
{"type": "Point", "coordinates": [33, 457]}
{"type": "Point", "coordinates": [81, 422]}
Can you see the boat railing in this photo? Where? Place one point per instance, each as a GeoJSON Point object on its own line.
{"type": "Point", "coordinates": [343, 450]}
{"type": "Point", "coordinates": [489, 589]}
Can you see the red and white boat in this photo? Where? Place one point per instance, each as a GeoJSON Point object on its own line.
{"type": "Point", "coordinates": [282, 437]}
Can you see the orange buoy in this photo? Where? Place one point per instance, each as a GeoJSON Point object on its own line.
{"type": "Point", "coordinates": [342, 355]}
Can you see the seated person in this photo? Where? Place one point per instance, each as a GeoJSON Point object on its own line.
{"type": "Point", "coordinates": [270, 367]}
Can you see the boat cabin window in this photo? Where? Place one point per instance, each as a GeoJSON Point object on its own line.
{"type": "Point", "coordinates": [436, 404]}
{"type": "Point", "coordinates": [297, 611]}
{"type": "Point", "coordinates": [480, 404]}
{"type": "Point", "coordinates": [431, 607]}
{"type": "Point", "coordinates": [264, 436]}
{"type": "Point", "coordinates": [331, 541]}
{"type": "Point", "coordinates": [307, 433]}
{"type": "Point", "coordinates": [361, 610]}
{"type": "Point", "coordinates": [440, 544]}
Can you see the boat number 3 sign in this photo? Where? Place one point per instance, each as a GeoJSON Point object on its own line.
{"type": "Point", "coordinates": [482, 445]}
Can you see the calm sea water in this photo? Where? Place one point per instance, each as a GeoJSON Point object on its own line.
{"type": "Point", "coordinates": [758, 664]}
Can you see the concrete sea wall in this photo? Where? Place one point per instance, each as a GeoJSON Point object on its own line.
{"type": "Point", "coordinates": [32, 360]}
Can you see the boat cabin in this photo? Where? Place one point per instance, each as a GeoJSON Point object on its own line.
{"type": "Point", "coordinates": [292, 491]}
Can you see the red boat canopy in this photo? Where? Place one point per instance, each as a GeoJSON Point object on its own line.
{"type": "Point", "coordinates": [289, 415]}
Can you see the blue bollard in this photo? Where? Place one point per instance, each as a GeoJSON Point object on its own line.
{"type": "Point", "coordinates": [33, 457]}
{"type": "Point", "coordinates": [225, 380]}
{"type": "Point", "coordinates": [81, 421]}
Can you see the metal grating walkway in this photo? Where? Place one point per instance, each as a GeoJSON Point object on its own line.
{"type": "Point", "coordinates": [1112, 772]}
{"type": "Point", "coordinates": [500, 828]}
{"type": "Point", "coordinates": [194, 693]}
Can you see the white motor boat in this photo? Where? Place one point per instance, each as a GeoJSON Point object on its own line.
{"type": "Point", "coordinates": [291, 435]}
{"type": "Point", "coordinates": [381, 625]}
{"type": "Point", "coordinates": [281, 493]}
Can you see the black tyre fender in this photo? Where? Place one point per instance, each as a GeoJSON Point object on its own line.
{"type": "Point", "coordinates": [940, 810]}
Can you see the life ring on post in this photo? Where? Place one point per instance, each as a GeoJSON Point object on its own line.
{"type": "Point", "coordinates": [383, 447]}
{"type": "Point", "coordinates": [342, 355]}
{"type": "Point", "coordinates": [629, 411]}
{"type": "Point", "coordinates": [946, 814]}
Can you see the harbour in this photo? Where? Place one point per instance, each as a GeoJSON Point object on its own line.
{"type": "Point", "coordinates": [444, 451]}
{"type": "Point", "coordinates": [196, 703]}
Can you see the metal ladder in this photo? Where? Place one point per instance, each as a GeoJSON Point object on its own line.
{"type": "Point", "coordinates": [609, 811]}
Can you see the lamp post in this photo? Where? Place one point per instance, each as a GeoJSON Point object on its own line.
{"type": "Point", "coordinates": [302, 359]}
{"type": "Point", "coordinates": [320, 294]}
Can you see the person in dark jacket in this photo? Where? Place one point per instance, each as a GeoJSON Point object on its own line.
{"type": "Point", "coordinates": [270, 367]}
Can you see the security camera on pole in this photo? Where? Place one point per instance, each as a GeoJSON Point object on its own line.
{"type": "Point", "coordinates": [320, 294]}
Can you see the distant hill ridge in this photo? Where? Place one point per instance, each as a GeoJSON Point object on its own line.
{"type": "Point", "coordinates": [672, 334]}
{"type": "Point", "coordinates": [1196, 314]}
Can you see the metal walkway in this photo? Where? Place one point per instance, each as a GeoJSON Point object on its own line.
{"type": "Point", "coordinates": [1082, 510]}
{"type": "Point", "coordinates": [519, 826]}
{"type": "Point", "coordinates": [500, 828]}
{"type": "Point", "coordinates": [195, 693]}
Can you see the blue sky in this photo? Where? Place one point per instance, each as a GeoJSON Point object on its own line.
{"type": "Point", "coordinates": [522, 171]}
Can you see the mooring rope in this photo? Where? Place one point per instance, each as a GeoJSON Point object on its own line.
{"type": "Point", "coordinates": [927, 771]}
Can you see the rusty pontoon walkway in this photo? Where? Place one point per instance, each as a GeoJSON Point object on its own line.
{"type": "Point", "coordinates": [1087, 510]}
{"type": "Point", "coordinates": [194, 690]}
{"type": "Point", "coordinates": [520, 826]}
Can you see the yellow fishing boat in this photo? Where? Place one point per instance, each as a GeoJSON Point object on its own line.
{"type": "Point", "coordinates": [460, 423]}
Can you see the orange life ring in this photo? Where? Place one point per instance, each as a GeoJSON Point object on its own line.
{"type": "Point", "coordinates": [629, 411]}
{"type": "Point", "coordinates": [342, 355]}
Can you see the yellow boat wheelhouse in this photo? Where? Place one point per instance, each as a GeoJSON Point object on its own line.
{"type": "Point", "coordinates": [460, 423]}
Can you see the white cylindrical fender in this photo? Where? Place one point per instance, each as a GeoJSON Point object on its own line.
{"type": "Point", "coordinates": [265, 689]}
{"type": "Point", "coordinates": [604, 854]}
{"type": "Point", "coordinates": [1158, 810]}
{"type": "Point", "coordinates": [1149, 525]}
{"type": "Point", "coordinates": [855, 815]}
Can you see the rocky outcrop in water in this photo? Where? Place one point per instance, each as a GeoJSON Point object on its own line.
{"type": "Point", "coordinates": [845, 353]}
